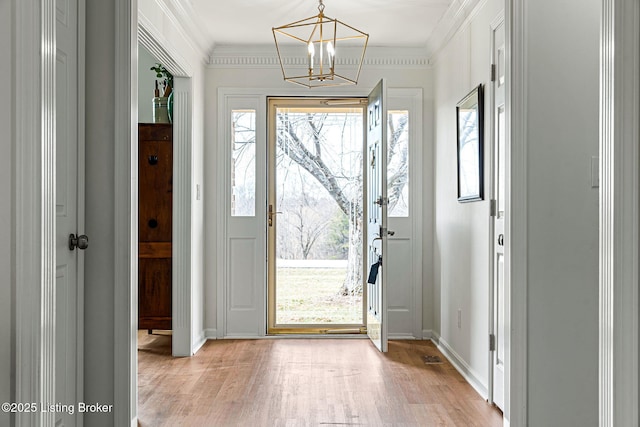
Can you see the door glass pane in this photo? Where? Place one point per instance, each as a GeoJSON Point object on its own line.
{"type": "Point", "coordinates": [243, 163]}
{"type": "Point", "coordinates": [318, 196]}
{"type": "Point", "coordinates": [398, 163]}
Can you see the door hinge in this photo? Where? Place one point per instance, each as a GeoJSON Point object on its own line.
{"type": "Point", "coordinates": [493, 72]}
{"type": "Point", "coordinates": [493, 207]}
{"type": "Point", "coordinates": [492, 342]}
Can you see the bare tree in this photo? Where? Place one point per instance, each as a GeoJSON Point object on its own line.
{"type": "Point", "coordinates": [308, 227]}
{"type": "Point", "coordinates": [300, 138]}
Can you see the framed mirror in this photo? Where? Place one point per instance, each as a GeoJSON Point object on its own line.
{"type": "Point", "coordinates": [469, 119]}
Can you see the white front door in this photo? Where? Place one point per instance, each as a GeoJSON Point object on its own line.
{"type": "Point", "coordinates": [499, 146]}
{"type": "Point", "coordinates": [376, 216]}
{"type": "Point", "coordinates": [68, 168]}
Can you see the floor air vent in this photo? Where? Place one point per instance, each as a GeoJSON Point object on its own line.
{"type": "Point", "coordinates": [432, 360]}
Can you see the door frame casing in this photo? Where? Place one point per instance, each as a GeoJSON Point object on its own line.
{"type": "Point", "coordinates": [516, 218]}
{"type": "Point", "coordinates": [183, 344]}
{"type": "Point", "coordinates": [619, 213]}
{"type": "Point", "coordinates": [273, 103]}
{"type": "Point", "coordinates": [34, 215]}
{"type": "Point", "coordinates": [258, 96]}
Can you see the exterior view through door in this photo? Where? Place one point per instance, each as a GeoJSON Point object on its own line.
{"type": "Point", "coordinates": [315, 216]}
{"type": "Point", "coordinates": [318, 257]}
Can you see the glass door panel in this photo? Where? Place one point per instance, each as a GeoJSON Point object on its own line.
{"type": "Point", "coordinates": [315, 226]}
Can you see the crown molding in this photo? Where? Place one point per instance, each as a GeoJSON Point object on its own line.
{"type": "Point", "coordinates": [188, 24]}
{"type": "Point", "coordinates": [181, 12]}
{"type": "Point", "coordinates": [459, 14]}
{"type": "Point", "coordinates": [265, 56]}
{"type": "Point", "coordinates": [148, 37]}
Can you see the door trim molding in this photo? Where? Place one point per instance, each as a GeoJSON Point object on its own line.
{"type": "Point", "coordinates": [498, 20]}
{"type": "Point", "coordinates": [181, 265]}
{"type": "Point", "coordinates": [81, 200]}
{"type": "Point", "coordinates": [125, 211]}
{"type": "Point", "coordinates": [182, 344]}
{"type": "Point", "coordinates": [34, 231]}
{"type": "Point", "coordinates": [619, 213]}
{"type": "Point", "coordinates": [516, 267]}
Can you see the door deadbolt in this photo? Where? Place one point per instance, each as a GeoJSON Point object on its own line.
{"type": "Point", "coordinates": [80, 242]}
{"type": "Point", "coordinates": [501, 240]}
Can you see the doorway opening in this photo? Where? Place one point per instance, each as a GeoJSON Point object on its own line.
{"type": "Point", "coordinates": [315, 222]}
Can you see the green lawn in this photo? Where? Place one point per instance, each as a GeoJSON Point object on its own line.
{"type": "Point", "coordinates": [311, 296]}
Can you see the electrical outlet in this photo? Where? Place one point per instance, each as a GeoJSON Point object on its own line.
{"type": "Point", "coordinates": [459, 318]}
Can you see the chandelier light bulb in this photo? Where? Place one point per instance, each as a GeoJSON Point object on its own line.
{"type": "Point", "coordinates": [312, 51]}
{"type": "Point", "coordinates": [331, 51]}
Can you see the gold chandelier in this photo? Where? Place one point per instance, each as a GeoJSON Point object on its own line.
{"type": "Point", "coordinates": [312, 61]}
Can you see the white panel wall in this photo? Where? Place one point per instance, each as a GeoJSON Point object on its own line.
{"type": "Point", "coordinates": [562, 80]}
{"type": "Point", "coordinates": [461, 244]}
{"type": "Point", "coordinates": [6, 184]}
{"type": "Point", "coordinates": [271, 77]}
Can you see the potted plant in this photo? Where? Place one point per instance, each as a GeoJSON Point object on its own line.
{"type": "Point", "coordinates": [163, 105]}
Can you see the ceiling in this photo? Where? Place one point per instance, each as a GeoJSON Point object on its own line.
{"type": "Point", "coordinates": [389, 23]}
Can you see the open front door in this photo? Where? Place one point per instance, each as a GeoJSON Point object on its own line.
{"type": "Point", "coordinates": [376, 216]}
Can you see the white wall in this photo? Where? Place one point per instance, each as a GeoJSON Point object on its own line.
{"type": "Point", "coordinates": [146, 85]}
{"type": "Point", "coordinates": [562, 80]}
{"type": "Point", "coordinates": [562, 251]}
{"type": "Point", "coordinates": [6, 218]}
{"type": "Point", "coordinates": [270, 77]}
{"type": "Point", "coordinates": [461, 244]}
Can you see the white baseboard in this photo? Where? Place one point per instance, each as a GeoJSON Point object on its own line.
{"type": "Point", "coordinates": [242, 337]}
{"type": "Point", "coordinates": [210, 334]}
{"type": "Point", "coordinates": [427, 334]}
{"type": "Point", "coordinates": [134, 422]}
{"type": "Point", "coordinates": [461, 366]}
{"type": "Point", "coordinates": [199, 343]}
{"type": "Point", "coordinates": [402, 336]}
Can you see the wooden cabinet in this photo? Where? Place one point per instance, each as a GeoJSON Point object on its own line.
{"type": "Point", "coordinates": [155, 204]}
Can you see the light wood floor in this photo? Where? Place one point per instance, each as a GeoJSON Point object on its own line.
{"type": "Point", "coordinates": [303, 382]}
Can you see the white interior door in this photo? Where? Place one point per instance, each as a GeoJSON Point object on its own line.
{"type": "Point", "coordinates": [68, 262]}
{"type": "Point", "coordinates": [376, 216]}
{"type": "Point", "coordinates": [499, 146]}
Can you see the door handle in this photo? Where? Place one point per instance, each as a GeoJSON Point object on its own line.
{"type": "Point", "coordinates": [80, 242]}
{"type": "Point", "coordinates": [501, 240]}
{"type": "Point", "coordinates": [270, 215]}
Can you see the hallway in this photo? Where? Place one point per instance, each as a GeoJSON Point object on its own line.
{"type": "Point", "coordinates": [303, 382]}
